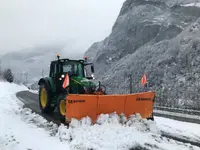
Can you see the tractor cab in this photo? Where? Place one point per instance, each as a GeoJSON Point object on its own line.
{"type": "Point", "coordinates": [75, 69]}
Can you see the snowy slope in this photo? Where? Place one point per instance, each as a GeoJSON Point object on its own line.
{"type": "Point", "coordinates": [16, 134]}
{"type": "Point", "coordinates": [22, 129]}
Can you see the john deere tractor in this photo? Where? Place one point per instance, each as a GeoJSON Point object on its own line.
{"type": "Point", "coordinates": [52, 94]}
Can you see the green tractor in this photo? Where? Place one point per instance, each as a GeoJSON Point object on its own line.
{"type": "Point", "coordinates": [51, 92]}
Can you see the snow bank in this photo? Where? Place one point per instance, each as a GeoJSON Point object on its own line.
{"type": "Point", "coordinates": [10, 88]}
{"type": "Point", "coordinates": [110, 133]}
{"type": "Point", "coordinates": [22, 129]}
{"type": "Point", "coordinates": [15, 131]}
{"type": "Point", "coordinates": [34, 91]}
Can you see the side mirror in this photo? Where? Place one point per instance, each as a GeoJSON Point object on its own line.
{"type": "Point", "coordinates": [92, 69]}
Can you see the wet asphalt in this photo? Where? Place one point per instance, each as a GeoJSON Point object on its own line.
{"type": "Point", "coordinates": [31, 100]}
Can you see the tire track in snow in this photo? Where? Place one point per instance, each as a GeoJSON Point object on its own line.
{"type": "Point", "coordinates": [183, 140]}
{"type": "Point", "coordinates": [31, 101]}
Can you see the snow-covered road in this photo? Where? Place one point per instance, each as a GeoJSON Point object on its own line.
{"type": "Point", "coordinates": [185, 130]}
{"type": "Point", "coordinates": [20, 129]}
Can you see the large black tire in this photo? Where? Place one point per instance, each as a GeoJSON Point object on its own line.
{"type": "Point", "coordinates": [61, 106]}
{"type": "Point", "coordinates": [45, 99]}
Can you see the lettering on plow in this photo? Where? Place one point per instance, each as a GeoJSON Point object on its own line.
{"type": "Point", "coordinates": [76, 101]}
{"type": "Point", "coordinates": [143, 99]}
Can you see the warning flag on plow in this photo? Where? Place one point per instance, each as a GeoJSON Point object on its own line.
{"type": "Point", "coordinates": [66, 81]}
{"type": "Point", "coordinates": [144, 80]}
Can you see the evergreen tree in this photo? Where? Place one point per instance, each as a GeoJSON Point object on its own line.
{"type": "Point", "coordinates": [1, 73]}
{"type": "Point", "coordinates": [7, 75]}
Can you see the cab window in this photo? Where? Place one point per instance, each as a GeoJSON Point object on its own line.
{"type": "Point", "coordinates": [73, 68]}
{"type": "Point", "coordinates": [52, 70]}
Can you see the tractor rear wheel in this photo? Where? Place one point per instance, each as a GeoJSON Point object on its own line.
{"type": "Point", "coordinates": [45, 99]}
{"type": "Point", "coordinates": [62, 108]}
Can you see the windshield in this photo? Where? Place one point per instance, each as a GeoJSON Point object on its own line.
{"type": "Point", "coordinates": [73, 68]}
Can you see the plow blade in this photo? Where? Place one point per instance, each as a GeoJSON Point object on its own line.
{"type": "Point", "coordinates": [79, 106]}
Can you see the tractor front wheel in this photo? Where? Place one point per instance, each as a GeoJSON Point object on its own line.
{"type": "Point", "coordinates": [45, 99]}
{"type": "Point", "coordinates": [62, 109]}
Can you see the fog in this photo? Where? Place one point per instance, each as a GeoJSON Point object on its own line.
{"type": "Point", "coordinates": [25, 23]}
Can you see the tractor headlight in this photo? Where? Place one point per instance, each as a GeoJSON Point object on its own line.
{"type": "Point", "coordinates": [92, 75]}
{"type": "Point", "coordinates": [62, 76]}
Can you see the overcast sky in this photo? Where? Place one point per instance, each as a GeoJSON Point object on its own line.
{"type": "Point", "coordinates": [24, 23]}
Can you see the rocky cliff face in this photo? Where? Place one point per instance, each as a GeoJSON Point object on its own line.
{"type": "Point", "coordinates": [160, 38]}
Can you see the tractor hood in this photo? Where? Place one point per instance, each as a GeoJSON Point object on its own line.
{"type": "Point", "coordinates": [83, 82]}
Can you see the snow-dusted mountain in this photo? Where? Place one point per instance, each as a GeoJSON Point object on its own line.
{"type": "Point", "coordinates": [159, 38]}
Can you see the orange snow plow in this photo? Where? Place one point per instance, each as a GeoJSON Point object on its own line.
{"type": "Point", "coordinates": [79, 106]}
